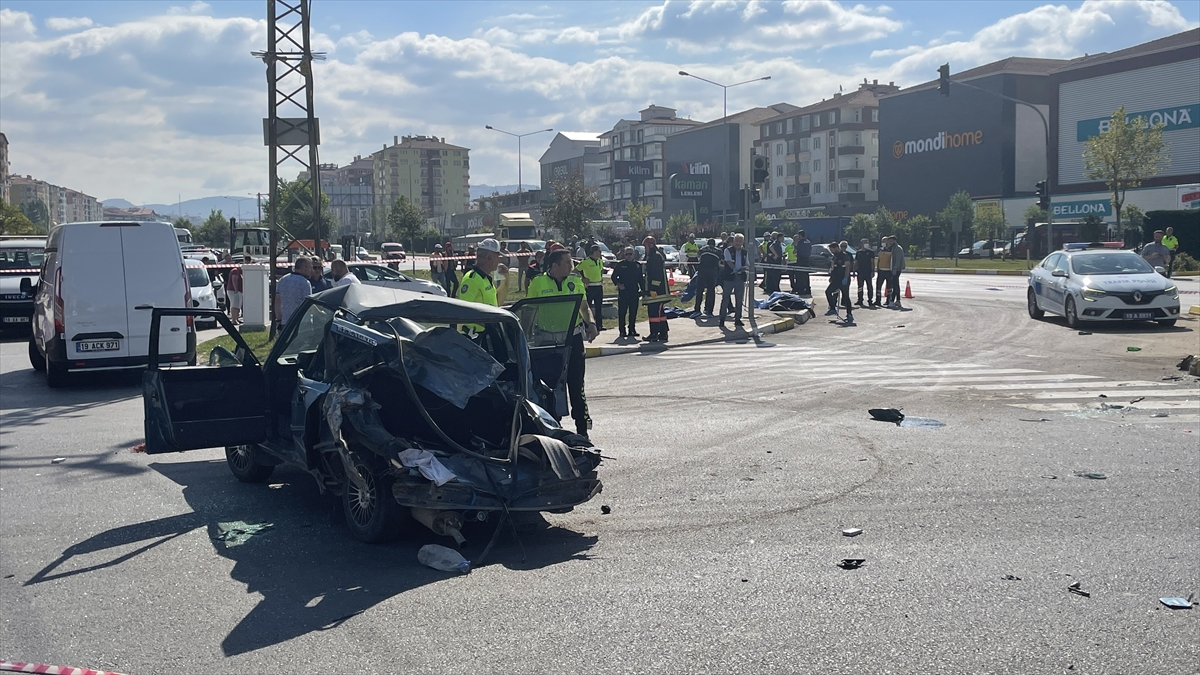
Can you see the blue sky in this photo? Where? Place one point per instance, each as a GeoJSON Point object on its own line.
{"type": "Point", "coordinates": [150, 100]}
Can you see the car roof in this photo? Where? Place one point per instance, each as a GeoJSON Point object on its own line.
{"type": "Point", "coordinates": [192, 262]}
{"type": "Point", "coordinates": [22, 243]}
{"type": "Point", "coordinates": [378, 302]}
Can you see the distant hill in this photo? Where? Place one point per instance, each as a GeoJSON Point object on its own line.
{"type": "Point", "coordinates": [478, 191]}
{"type": "Point", "coordinates": [197, 208]}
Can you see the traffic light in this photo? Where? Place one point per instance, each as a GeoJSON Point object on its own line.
{"type": "Point", "coordinates": [944, 79]}
{"type": "Point", "coordinates": [1043, 197]}
{"type": "Point", "coordinates": [755, 196]}
{"type": "Point", "coordinates": [761, 168]}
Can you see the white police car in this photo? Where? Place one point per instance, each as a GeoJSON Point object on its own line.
{"type": "Point", "coordinates": [1101, 285]}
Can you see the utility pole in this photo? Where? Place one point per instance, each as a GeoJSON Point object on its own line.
{"type": "Point", "coordinates": [289, 58]}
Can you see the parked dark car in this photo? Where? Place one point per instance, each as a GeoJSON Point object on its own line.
{"type": "Point", "coordinates": [375, 393]}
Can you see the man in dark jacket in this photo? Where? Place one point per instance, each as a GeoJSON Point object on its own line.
{"type": "Point", "coordinates": [801, 285]}
{"type": "Point", "coordinates": [864, 268]}
{"type": "Point", "coordinates": [656, 291]}
{"type": "Point", "coordinates": [706, 277]}
{"type": "Point", "coordinates": [627, 275]}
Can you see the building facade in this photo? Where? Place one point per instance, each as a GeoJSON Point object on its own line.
{"type": "Point", "coordinates": [572, 153]}
{"type": "Point", "coordinates": [638, 146]}
{"type": "Point", "coordinates": [824, 157]}
{"type": "Point", "coordinates": [4, 186]}
{"type": "Point", "coordinates": [351, 192]}
{"type": "Point", "coordinates": [63, 205]}
{"type": "Point", "coordinates": [433, 174]}
{"type": "Point", "coordinates": [134, 213]}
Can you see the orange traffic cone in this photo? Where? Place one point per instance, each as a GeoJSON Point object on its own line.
{"type": "Point", "coordinates": [671, 277]}
{"type": "Point", "coordinates": [908, 290]}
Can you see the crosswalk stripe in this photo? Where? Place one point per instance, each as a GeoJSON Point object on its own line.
{"type": "Point", "coordinates": [1174, 418]}
{"type": "Point", "coordinates": [1115, 396]}
{"type": "Point", "coordinates": [1141, 405]}
{"type": "Point", "coordinates": [1030, 385]}
{"type": "Point", "coordinates": [959, 379]}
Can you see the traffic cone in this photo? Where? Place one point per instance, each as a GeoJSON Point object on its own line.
{"type": "Point", "coordinates": [671, 276]}
{"type": "Point", "coordinates": [908, 290]}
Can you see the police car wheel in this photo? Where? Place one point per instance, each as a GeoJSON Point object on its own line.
{"type": "Point", "coordinates": [1034, 311]}
{"type": "Point", "coordinates": [1071, 314]}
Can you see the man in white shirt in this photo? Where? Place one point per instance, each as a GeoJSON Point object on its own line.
{"type": "Point", "coordinates": [342, 276]}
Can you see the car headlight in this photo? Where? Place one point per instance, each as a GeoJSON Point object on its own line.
{"type": "Point", "coordinates": [1172, 291]}
{"type": "Point", "coordinates": [1092, 293]}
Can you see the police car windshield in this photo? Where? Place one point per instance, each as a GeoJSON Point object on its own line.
{"type": "Point", "coordinates": [20, 258]}
{"type": "Point", "coordinates": [1110, 263]}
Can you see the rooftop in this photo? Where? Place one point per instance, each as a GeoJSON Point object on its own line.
{"type": "Point", "coordinates": [1185, 39]}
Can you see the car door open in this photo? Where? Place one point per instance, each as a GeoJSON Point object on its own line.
{"type": "Point", "coordinates": [548, 324]}
{"type": "Point", "coordinates": [219, 404]}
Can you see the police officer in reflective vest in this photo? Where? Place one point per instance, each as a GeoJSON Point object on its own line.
{"type": "Point", "coordinates": [477, 284]}
{"type": "Point", "coordinates": [557, 281]}
{"type": "Point", "coordinates": [591, 269]}
{"type": "Point", "coordinates": [691, 251]}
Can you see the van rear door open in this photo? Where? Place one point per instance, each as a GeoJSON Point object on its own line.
{"type": "Point", "coordinates": [94, 326]}
{"type": "Point", "coordinates": [153, 276]}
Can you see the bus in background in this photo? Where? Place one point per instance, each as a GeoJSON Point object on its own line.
{"type": "Point", "coordinates": [184, 236]}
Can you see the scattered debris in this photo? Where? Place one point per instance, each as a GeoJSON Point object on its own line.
{"type": "Point", "coordinates": [887, 415]}
{"type": "Point", "coordinates": [851, 532]}
{"type": "Point", "coordinates": [1161, 414]}
{"type": "Point", "coordinates": [1048, 476]}
{"type": "Point", "coordinates": [1187, 364]}
{"type": "Point", "coordinates": [1105, 406]}
{"type": "Point", "coordinates": [851, 563]}
{"type": "Point", "coordinates": [1169, 378]}
{"type": "Point", "coordinates": [9, 576]}
{"type": "Point", "coordinates": [1009, 577]}
{"type": "Point", "coordinates": [1133, 349]}
{"type": "Point", "coordinates": [745, 580]}
{"type": "Point", "coordinates": [1176, 603]}
{"type": "Point", "coordinates": [1137, 400]}
{"type": "Point", "coordinates": [442, 558]}
{"type": "Point", "coordinates": [1094, 475]}
{"type": "Point", "coordinates": [921, 423]}
{"type": "Point", "coordinates": [900, 326]}
{"type": "Point", "coordinates": [58, 460]}
{"type": "Point", "coordinates": [239, 532]}
{"type": "Point", "coordinates": [1085, 332]}
{"type": "Point", "coordinates": [1103, 395]}
{"type": "Point", "coordinates": [1077, 589]}
{"type": "Point", "coordinates": [140, 447]}
{"type": "Point", "coordinates": [605, 509]}
{"type": "Point", "coordinates": [1040, 419]}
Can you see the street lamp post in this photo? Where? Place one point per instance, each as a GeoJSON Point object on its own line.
{"type": "Point", "coordinates": [724, 122]}
{"type": "Point", "coordinates": [518, 137]}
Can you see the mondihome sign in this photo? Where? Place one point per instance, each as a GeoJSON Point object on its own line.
{"type": "Point", "coordinates": [942, 140]}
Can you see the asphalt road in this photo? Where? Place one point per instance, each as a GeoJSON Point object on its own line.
{"type": "Point", "coordinates": [734, 467]}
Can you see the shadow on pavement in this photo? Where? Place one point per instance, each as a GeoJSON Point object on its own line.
{"type": "Point", "coordinates": [1123, 328]}
{"type": "Point", "coordinates": [312, 575]}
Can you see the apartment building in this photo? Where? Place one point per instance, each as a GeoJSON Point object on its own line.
{"type": "Point", "coordinates": [63, 205]}
{"type": "Point", "coordinates": [825, 157]}
{"type": "Point", "coordinates": [641, 141]}
{"type": "Point", "coordinates": [433, 174]}
{"type": "Point", "coordinates": [351, 193]}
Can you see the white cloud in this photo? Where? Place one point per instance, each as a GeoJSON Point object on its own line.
{"type": "Point", "coordinates": [65, 24]}
{"type": "Point", "coordinates": [197, 7]}
{"type": "Point", "coordinates": [16, 24]}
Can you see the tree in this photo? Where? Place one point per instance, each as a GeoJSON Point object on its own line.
{"type": "Point", "coordinates": [862, 226]}
{"type": "Point", "coordinates": [37, 213]}
{"type": "Point", "coordinates": [573, 207]}
{"type": "Point", "coordinates": [990, 225]}
{"type": "Point", "coordinates": [405, 220]}
{"type": "Point", "coordinates": [296, 211]}
{"type": "Point", "coordinates": [1125, 154]}
{"type": "Point", "coordinates": [917, 229]}
{"type": "Point", "coordinates": [678, 225]}
{"type": "Point", "coordinates": [1134, 218]}
{"type": "Point", "coordinates": [1034, 214]}
{"type": "Point", "coordinates": [637, 213]}
{"type": "Point", "coordinates": [214, 231]}
{"type": "Point", "coordinates": [960, 205]}
{"type": "Point", "coordinates": [13, 221]}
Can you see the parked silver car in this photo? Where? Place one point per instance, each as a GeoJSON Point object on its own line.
{"type": "Point", "coordinates": [382, 275]}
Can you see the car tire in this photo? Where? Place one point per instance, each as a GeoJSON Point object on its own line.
{"type": "Point", "coordinates": [56, 374]}
{"type": "Point", "coordinates": [1166, 323]}
{"type": "Point", "coordinates": [372, 515]}
{"type": "Point", "coordinates": [244, 465]}
{"type": "Point", "coordinates": [1035, 312]}
{"type": "Point", "coordinates": [1071, 314]}
{"type": "Point", "coordinates": [35, 356]}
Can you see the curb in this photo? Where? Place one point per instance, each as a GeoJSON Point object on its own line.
{"type": "Point", "coordinates": [957, 270]}
{"type": "Point", "coordinates": [594, 351]}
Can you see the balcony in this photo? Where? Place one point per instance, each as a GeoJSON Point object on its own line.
{"type": "Point", "coordinates": [852, 150]}
{"type": "Point", "coordinates": [852, 196]}
{"type": "Point", "coordinates": [852, 173]}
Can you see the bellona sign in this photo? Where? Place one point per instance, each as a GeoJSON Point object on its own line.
{"type": "Point", "coordinates": [1179, 117]}
{"type": "Point", "coordinates": [943, 140]}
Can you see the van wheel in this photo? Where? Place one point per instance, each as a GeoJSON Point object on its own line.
{"type": "Point", "coordinates": [244, 466]}
{"type": "Point", "coordinates": [1035, 312]}
{"type": "Point", "coordinates": [372, 513]}
{"type": "Point", "coordinates": [56, 374]}
{"type": "Point", "coordinates": [35, 357]}
{"type": "Point", "coordinates": [1070, 313]}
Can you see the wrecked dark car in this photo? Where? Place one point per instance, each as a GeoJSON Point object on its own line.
{"type": "Point", "coordinates": [380, 396]}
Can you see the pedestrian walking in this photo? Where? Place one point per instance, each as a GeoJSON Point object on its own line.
{"type": "Point", "coordinates": [656, 291]}
{"type": "Point", "coordinates": [883, 271]}
{"type": "Point", "coordinates": [709, 263]}
{"type": "Point", "coordinates": [1156, 252]}
{"type": "Point", "coordinates": [733, 280]}
{"type": "Point", "coordinates": [234, 288]}
{"type": "Point", "coordinates": [631, 284]}
{"type": "Point", "coordinates": [897, 266]}
{"type": "Point", "coordinates": [839, 281]}
{"type": "Point", "coordinates": [864, 268]}
{"type": "Point", "coordinates": [591, 269]}
{"type": "Point", "coordinates": [1172, 243]}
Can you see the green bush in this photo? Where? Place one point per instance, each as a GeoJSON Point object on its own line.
{"type": "Point", "coordinates": [1186, 263]}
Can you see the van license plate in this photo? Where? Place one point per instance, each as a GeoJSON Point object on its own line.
{"type": "Point", "coordinates": [98, 346]}
{"type": "Point", "coordinates": [1139, 315]}
{"type": "Point", "coordinates": [16, 319]}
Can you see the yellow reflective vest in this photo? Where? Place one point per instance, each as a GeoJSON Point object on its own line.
{"type": "Point", "coordinates": [477, 287]}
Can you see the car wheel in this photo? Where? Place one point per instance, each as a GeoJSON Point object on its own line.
{"type": "Point", "coordinates": [1166, 323]}
{"type": "Point", "coordinates": [245, 466]}
{"type": "Point", "coordinates": [56, 374]}
{"type": "Point", "coordinates": [1070, 314]}
{"type": "Point", "coordinates": [371, 511]}
{"type": "Point", "coordinates": [35, 356]}
{"type": "Point", "coordinates": [1035, 312]}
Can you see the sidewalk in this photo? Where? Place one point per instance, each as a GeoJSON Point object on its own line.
{"type": "Point", "coordinates": [686, 332]}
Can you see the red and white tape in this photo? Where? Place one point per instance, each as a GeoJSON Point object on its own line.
{"type": "Point", "coordinates": [20, 667]}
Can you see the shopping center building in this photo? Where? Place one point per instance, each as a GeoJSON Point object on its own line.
{"type": "Point", "coordinates": [996, 149]}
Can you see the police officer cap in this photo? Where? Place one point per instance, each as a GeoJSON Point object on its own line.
{"type": "Point", "coordinates": [489, 245]}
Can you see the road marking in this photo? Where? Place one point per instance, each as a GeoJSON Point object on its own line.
{"type": "Point", "coordinates": [1141, 405]}
{"type": "Point", "coordinates": [974, 378]}
{"type": "Point", "coordinates": [1117, 396]}
{"type": "Point", "coordinates": [1035, 385]}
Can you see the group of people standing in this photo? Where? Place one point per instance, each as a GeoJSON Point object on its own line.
{"type": "Point", "coordinates": [885, 265]}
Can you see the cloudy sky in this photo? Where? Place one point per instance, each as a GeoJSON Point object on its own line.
{"type": "Point", "coordinates": [152, 100]}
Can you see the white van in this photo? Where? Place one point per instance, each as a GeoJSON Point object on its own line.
{"type": "Point", "coordinates": [95, 291]}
